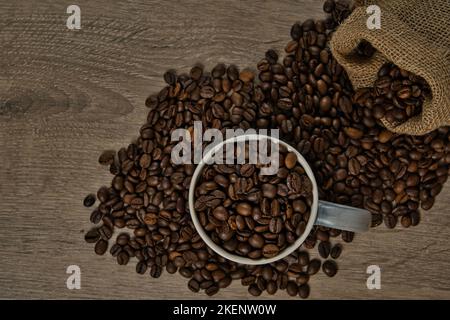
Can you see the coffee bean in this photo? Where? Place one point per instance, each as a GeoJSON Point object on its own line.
{"type": "Point", "coordinates": [269, 190]}
{"type": "Point", "coordinates": [271, 287]}
{"type": "Point", "coordinates": [347, 236]}
{"type": "Point", "coordinates": [336, 251]}
{"type": "Point", "coordinates": [270, 250]}
{"type": "Point", "coordinates": [96, 216]}
{"type": "Point", "coordinates": [324, 249]}
{"type": "Point", "coordinates": [170, 77]}
{"type": "Point", "coordinates": [329, 267]}
{"type": "Point", "coordinates": [313, 267]}
{"type": "Point", "coordinates": [101, 246]}
{"type": "Point", "coordinates": [141, 267]}
{"type": "Point", "coordinates": [155, 271]}
{"type": "Point", "coordinates": [303, 258]}
{"type": "Point", "coordinates": [92, 236]}
{"type": "Point", "coordinates": [122, 258]}
{"type": "Point", "coordinates": [302, 278]}
{"type": "Point", "coordinates": [244, 209]}
{"type": "Point", "coordinates": [353, 133]}
{"type": "Point", "coordinates": [292, 288]}
{"type": "Point", "coordinates": [271, 56]}
{"type": "Point", "coordinates": [212, 290]}
{"type": "Point", "coordinates": [257, 241]}
{"type": "Point", "coordinates": [290, 160]}
{"type": "Point", "coordinates": [107, 158]}
{"type": "Point", "coordinates": [193, 285]}
{"type": "Point", "coordinates": [303, 291]}
{"type": "Point", "coordinates": [89, 200]}
{"type": "Point", "coordinates": [276, 225]}
{"type": "Point", "coordinates": [220, 213]}
{"type": "Point", "coordinates": [390, 221]}
{"type": "Point", "coordinates": [185, 272]}
{"type": "Point", "coordinates": [103, 194]}
{"type": "Point", "coordinates": [254, 290]}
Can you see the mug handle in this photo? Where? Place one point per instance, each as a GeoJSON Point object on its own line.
{"type": "Point", "coordinates": [338, 216]}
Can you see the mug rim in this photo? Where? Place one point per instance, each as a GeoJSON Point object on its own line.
{"type": "Point", "coordinates": [234, 257]}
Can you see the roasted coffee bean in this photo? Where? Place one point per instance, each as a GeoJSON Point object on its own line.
{"type": "Point", "coordinates": [270, 250]}
{"type": "Point", "coordinates": [303, 258]}
{"type": "Point", "coordinates": [155, 271]}
{"type": "Point", "coordinates": [185, 272]}
{"type": "Point", "coordinates": [292, 288]}
{"type": "Point", "coordinates": [170, 77]}
{"type": "Point", "coordinates": [101, 246]}
{"type": "Point", "coordinates": [193, 285]}
{"type": "Point", "coordinates": [271, 287]}
{"type": "Point", "coordinates": [123, 258]}
{"type": "Point", "coordinates": [314, 266]}
{"type": "Point", "coordinates": [390, 221]}
{"type": "Point", "coordinates": [302, 278]}
{"type": "Point", "coordinates": [324, 249]}
{"type": "Point", "coordinates": [103, 194]}
{"type": "Point", "coordinates": [107, 157]}
{"type": "Point", "coordinates": [336, 251]}
{"type": "Point", "coordinates": [141, 267]}
{"type": "Point", "coordinates": [303, 291]}
{"type": "Point", "coordinates": [256, 241]}
{"type": "Point", "coordinates": [92, 236]}
{"type": "Point", "coordinates": [89, 200]}
{"type": "Point", "coordinates": [96, 216]}
{"type": "Point", "coordinates": [254, 290]}
{"type": "Point", "coordinates": [290, 160]}
{"type": "Point", "coordinates": [347, 236]}
{"type": "Point", "coordinates": [329, 267]}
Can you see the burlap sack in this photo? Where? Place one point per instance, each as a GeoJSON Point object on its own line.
{"type": "Point", "coordinates": [415, 35]}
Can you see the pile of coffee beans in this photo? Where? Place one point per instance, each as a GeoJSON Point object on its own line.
{"type": "Point", "coordinates": [250, 214]}
{"type": "Point", "coordinates": [308, 96]}
{"type": "Point", "coordinates": [398, 94]}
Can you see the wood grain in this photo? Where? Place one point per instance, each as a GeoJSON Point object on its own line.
{"type": "Point", "coordinates": [67, 95]}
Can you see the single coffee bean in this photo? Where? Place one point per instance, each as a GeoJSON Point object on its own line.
{"type": "Point", "coordinates": [329, 267]}
{"type": "Point", "coordinates": [101, 246]}
{"type": "Point", "coordinates": [254, 290]}
{"type": "Point", "coordinates": [193, 285]}
{"type": "Point", "coordinates": [212, 290]}
{"type": "Point", "coordinates": [89, 200]}
{"type": "Point", "coordinates": [107, 158]}
{"type": "Point", "coordinates": [324, 249]}
{"type": "Point", "coordinates": [292, 288]}
{"type": "Point", "coordinates": [314, 266]}
{"type": "Point", "coordinates": [244, 209]}
{"type": "Point", "coordinates": [302, 278]}
{"type": "Point", "coordinates": [123, 258]}
{"type": "Point", "coordinates": [303, 258]}
{"type": "Point", "coordinates": [257, 241]}
{"type": "Point", "coordinates": [336, 251]}
{"type": "Point", "coordinates": [270, 250]}
{"type": "Point", "coordinates": [155, 271]}
{"type": "Point", "coordinates": [303, 291]}
{"type": "Point", "coordinates": [290, 160]}
{"type": "Point", "coordinates": [271, 287]}
{"type": "Point", "coordinates": [92, 236]}
{"type": "Point", "coordinates": [141, 267]}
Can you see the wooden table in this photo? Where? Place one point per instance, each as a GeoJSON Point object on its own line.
{"type": "Point", "coordinates": [65, 96]}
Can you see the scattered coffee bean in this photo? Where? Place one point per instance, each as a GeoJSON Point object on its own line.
{"type": "Point", "coordinates": [89, 200]}
{"type": "Point", "coordinates": [329, 267]}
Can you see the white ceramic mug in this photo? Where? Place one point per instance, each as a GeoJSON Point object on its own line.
{"type": "Point", "coordinates": [322, 213]}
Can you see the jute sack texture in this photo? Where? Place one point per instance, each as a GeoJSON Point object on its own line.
{"type": "Point", "coordinates": [414, 35]}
